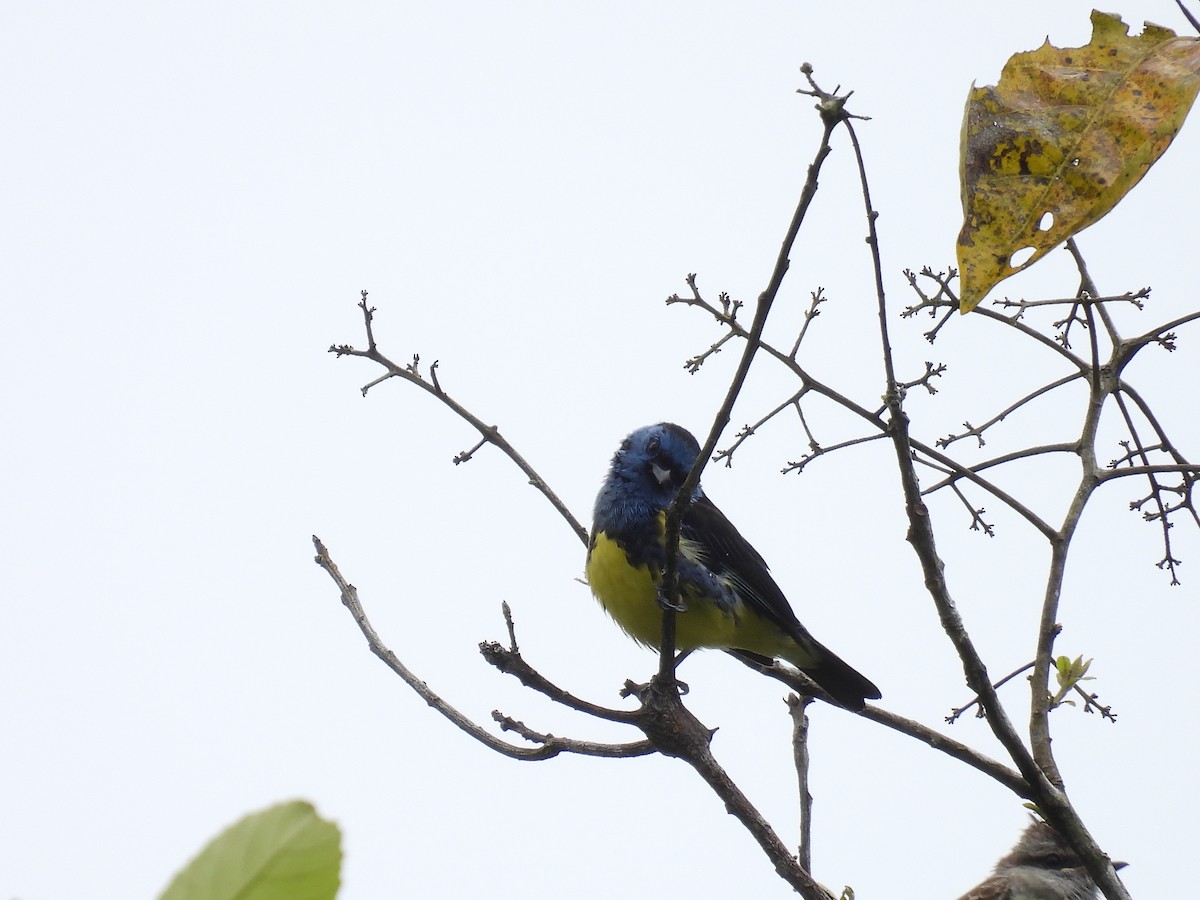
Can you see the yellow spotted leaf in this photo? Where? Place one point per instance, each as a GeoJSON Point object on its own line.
{"type": "Point", "coordinates": [1060, 140]}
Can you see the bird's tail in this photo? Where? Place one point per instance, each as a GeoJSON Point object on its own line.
{"type": "Point", "coordinates": [841, 681]}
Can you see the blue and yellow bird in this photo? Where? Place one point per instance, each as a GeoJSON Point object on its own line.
{"type": "Point", "coordinates": [727, 596]}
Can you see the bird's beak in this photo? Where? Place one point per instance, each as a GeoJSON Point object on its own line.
{"type": "Point", "coordinates": [663, 475]}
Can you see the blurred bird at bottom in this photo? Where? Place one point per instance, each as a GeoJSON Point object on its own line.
{"type": "Point", "coordinates": [727, 597]}
{"type": "Point", "coordinates": [1040, 867]}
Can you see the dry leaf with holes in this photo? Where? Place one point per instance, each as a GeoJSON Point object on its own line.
{"type": "Point", "coordinates": [1060, 140]}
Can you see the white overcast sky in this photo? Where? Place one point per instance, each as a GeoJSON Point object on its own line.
{"type": "Point", "coordinates": [191, 199]}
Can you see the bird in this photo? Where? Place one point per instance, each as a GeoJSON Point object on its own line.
{"type": "Point", "coordinates": [727, 598]}
{"type": "Point", "coordinates": [1040, 867]}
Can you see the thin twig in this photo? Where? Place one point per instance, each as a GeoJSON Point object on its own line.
{"type": "Point", "coordinates": [816, 299]}
{"type": "Point", "coordinates": [1187, 15]}
{"type": "Point", "coordinates": [956, 714]}
{"type": "Point", "coordinates": [489, 433]}
{"type": "Point", "coordinates": [747, 431]}
{"type": "Point", "coordinates": [977, 431]}
{"type": "Point", "coordinates": [674, 519]}
{"type": "Point", "coordinates": [798, 709]}
{"type": "Point", "coordinates": [817, 450]}
{"type": "Point", "coordinates": [547, 750]}
{"type": "Point", "coordinates": [921, 536]}
{"type": "Point", "coordinates": [1005, 775]}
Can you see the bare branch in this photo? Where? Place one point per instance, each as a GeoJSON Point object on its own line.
{"type": "Point", "coordinates": [677, 733]}
{"type": "Point", "coordinates": [956, 714]}
{"type": "Point", "coordinates": [798, 709]}
{"type": "Point", "coordinates": [350, 600]}
{"type": "Point", "coordinates": [1027, 453]}
{"type": "Point", "coordinates": [489, 434]}
{"type": "Point", "coordinates": [670, 580]}
{"type": "Point", "coordinates": [813, 385]}
{"type": "Point", "coordinates": [550, 742]}
{"type": "Point", "coordinates": [977, 432]}
{"type": "Point", "coordinates": [817, 450]}
{"type": "Point", "coordinates": [1188, 15]}
{"type": "Point", "coordinates": [977, 522]}
{"type": "Point", "coordinates": [510, 662]}
{"type": "Point", "coordinates": [746, 431]}
{"type": "Point", "coordinates": [1003, 774]}
{"type": "Point", "coordinates": [1090, 704]}
{"type": "Point", "coordinates": [1133, 297]}
{"type": "Point", "coordinates": [1046, 791]}
{"type": "Point", "coordinates": [943, 301]}
{"type": "Point", "coordinates": [815, 299]}
{"type": "Point", "coordinates": [932, 371]}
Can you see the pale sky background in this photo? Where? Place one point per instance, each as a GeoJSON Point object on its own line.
{"type": "Point", "coordinates": [193, 197]}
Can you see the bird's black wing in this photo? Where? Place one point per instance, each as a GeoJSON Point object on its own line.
{"type": "Point", "coordinates": [730, 556]}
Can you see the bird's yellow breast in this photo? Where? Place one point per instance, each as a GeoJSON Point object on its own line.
{"type": "Point", "coordinates": [630, 595]}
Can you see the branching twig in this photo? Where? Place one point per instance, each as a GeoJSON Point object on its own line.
{"type": "Point", "coordinates": [816, 299]}
{"type": "Point", "coordinates": [581, 748]}
{"type": "Point", "coordinates": [1046, 792]}
{"type": "Point", "coordinates": [817, 450]}
{"type": "Point", "coordinates": [977, 522]}
{"type": "Point", "coordinates": [1090, 704]}
{"type": "Point", "coordinates": [956, 714]}
{"type": "Point", "coordinates": [547, 750]}
{"type": "Point", "coordinates": [746, 431]}
{"type": "Point", "coordinates": [1003, 774]}
{"type": "Point", "coordinates": [1026, 453]}
{"type": "Point", "coordinates": [977, 431]}
{"type": "Point", "coordinates": [1133, 297]}
{"type": "Point", "coordinates": [832, 113]}
{"type": "Point", "coordinates": [489, 433]}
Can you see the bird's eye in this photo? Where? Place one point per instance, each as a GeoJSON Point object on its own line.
{"type": "Point", "coordinates": [653, 446]}
{"type": "Point", "coordinates": [1054, 861]}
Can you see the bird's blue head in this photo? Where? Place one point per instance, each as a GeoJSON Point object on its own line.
{"type": "Point", "coordinates": [645, 474]}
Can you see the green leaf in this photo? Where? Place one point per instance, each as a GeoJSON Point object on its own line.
{"type": "Point", "coordinates": [285, 852]}
{"type": "Point", "coordinates": [1071, 671]}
